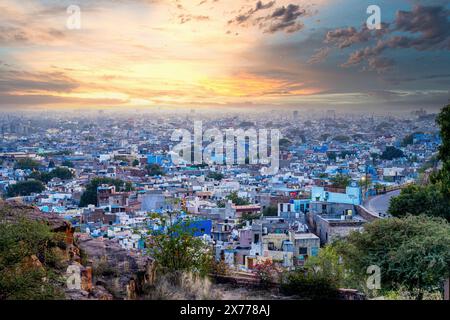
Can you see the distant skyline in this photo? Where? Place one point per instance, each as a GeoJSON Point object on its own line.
{"type": "Point", "coordinates": [237, 54]}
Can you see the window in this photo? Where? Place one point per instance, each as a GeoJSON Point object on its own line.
{"type": "Point", "coordinates": [256, 238]}
{"type": "Point", "coordinates": [302, 250]}
{"type": "Point", "coordinates": [271, 246]}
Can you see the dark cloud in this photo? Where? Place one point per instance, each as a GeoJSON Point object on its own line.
{"type": "Point", "coordinates": [12, 35]}
{"type": "Point", "coordinates": [432, 23]}
{"type": "Point", "coordinates": [345, 37]}
{"type": "Point", "coordinates": [423, 28]}
{"type": "Point", "coordinates": [12, 80]}
{"type": "Point", "coordinates": [188, 17]}
{"type": "Point", "coordinates": [319, 55]}
{"type": "Point", "coordinates": [285, 18]}
{"type": "Point", "coordinates": [380, 64]}
{"type": "Point", "coordinates": [247, 15]}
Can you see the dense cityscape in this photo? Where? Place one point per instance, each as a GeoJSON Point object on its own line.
{"type": "Point", "coordinates": [113, 179]}
{"type": "Point", "coordinates": [224, 159]}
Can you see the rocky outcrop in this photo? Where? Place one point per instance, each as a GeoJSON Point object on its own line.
{"type": "Point", "coordinates": [65, 249]}
{"type": "Point", "coordinates": [106, 270]}
{"type": "Point", "coordinates": [11, 211]}
{"type": "Point", "coordinates": [121, 272]}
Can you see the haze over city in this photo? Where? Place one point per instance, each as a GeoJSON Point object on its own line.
{"type": "Point", "coordinates": [277, 152]}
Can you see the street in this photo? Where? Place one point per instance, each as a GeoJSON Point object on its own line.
{"type": "Point", "coordinates": [380, 203]}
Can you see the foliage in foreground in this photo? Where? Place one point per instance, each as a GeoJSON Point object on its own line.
{"type": "Point", "coordinates": [417, 200]}
{"type": "Point", "coordinates": [309, 285]}
{"type": "Point", "coordinates": [412, 252]}
{"type": "Point", "coordinates": [28, 262]}
{"type": "Point", "coordinates": [178, 250]}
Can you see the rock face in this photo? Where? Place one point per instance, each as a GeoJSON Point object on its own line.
{"type": "Point", "coordinates": [67, 251]}
{"type": "Point", "coordinates": [13, 211]}
{"type": "Point", "coordinates": [106, 270]}
{"type": "Point", "coordinates": [121, 272]}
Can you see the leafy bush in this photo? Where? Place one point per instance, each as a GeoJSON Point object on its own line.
{"type": "Point", "coordinates": [392, 153]}
{"type": "Point", "coordinates": [413, 252]}
{"type": "Point", "coordinates": [27, 163]}
{"type": "Point", "coordinates": [307, 285]}
{"type": "Point", "coordinates": [89, 196]}
{"type": "Point", "coordinates": [26, 259]}
{"type": "Point", "coordinates": [25, 188]}
{"type": "Point", "coordinates": [178, 250]}
{"type": "Point", "coordinates": [417, 200]}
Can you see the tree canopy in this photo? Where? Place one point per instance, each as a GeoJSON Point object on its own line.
{"type": "Point", "coordinates": [178, 250]}
{"type": "Point", "coordinates": [340, 180]}
{"type": "Point", "coordinates": [418, 200]}
{"type": "Point", "coordinates": [20, 277]}
{"type": "Point", "coordinates": [391, 153]}
{"type": "Point", "coordinates": [89, 196]}
{"type": "Point", "coordinates": [237, 200]}
{"type": "Point", "coordinates": [154, 170]}
{"type": "Point", "coordinates": [45, 177]}
{"type": "Point", "coordinates": [215, 176]}
{"type": "Point", "coordinates": [413, 251]}
{"type": "Point", "coordinates": [27, 163]}
{"type": "Point", "coordinates": [25, 188]}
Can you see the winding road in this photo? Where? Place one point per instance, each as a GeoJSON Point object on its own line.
{"type": "Point", "coordinates": [380, 204]}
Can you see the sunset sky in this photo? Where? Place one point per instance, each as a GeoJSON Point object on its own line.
{"type": "Point", "coordinates": [224, 53]}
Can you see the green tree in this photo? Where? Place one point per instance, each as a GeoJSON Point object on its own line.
{"type": "Point", "coordinates": [341, 138]}
{"type": "Point", "coordinates": [67, 163]}
{"type": "Point", "coordinates": [285, 143]}
{"type": "Point", "coordinates": [44, 177]}
{"type": "Point", "coordinates": [25, 188]}
{"type": "Point", "coordinates": [413, 251]}
{"type": "Point", "coordinates": [270, 211]}
{"type": "Point", "coordinates": [62, 173]}
{"type": "Point", "coordinates": [27, 163]}
{"type": "Point", "coordinates": [332, 155]}
{"type": "Point", "coordinates": [236, 199]}
{"type": "Point", "coordinates": [135, 163]}
{"type": "Point", "coordinates": [21, 278]}
{"type": "Point", "coordinates": [443, 176]}
{"type": "Point", "coordinates": [340, 180]}
{"type": "Point", "coordinates": [409, 139]}
{"type": "Point", "coordinates": [391, 153]}
{"type": "Point", "coordinates": [418, 200]}
{"type": "Point", "coordinates": [215, 176]}
{"type": "Point", "coordinates": [89, 196]}
{"type": "Point", "coordinates": [154, 170]}
{"type": "Point", "coordinates": [327, 264]}
{"type": "Point", "coordinates": [178, 250]}
{"type": "Point", "coordinates": [309, 285]}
